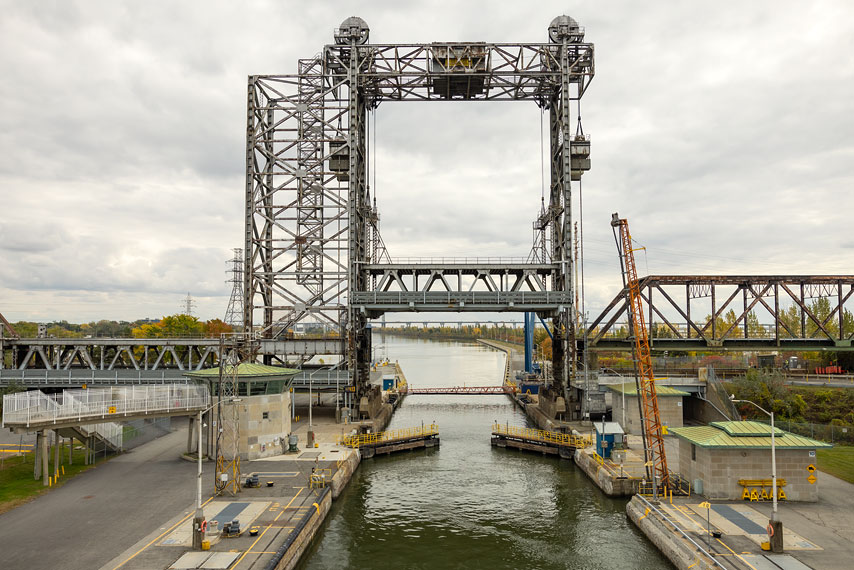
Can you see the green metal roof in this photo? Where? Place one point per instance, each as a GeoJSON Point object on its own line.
{"type": "Point", "coordinates": [247, 370]}
{"type": "Point", "coordinates": [629, 389]}
{"type": "Point", "coordinates": [743, 435]}
{"type": "Point", "coordinates": [747, 429]}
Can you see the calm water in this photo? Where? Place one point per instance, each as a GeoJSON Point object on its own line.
{"type": "Point", "coordinates": [467, 505]}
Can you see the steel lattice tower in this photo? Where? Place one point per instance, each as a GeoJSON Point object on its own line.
{"type": "Point", "coordinates": [228, 426]}
{"type": "Point", "coordinates": [313, 253]}
{"type": "Point", "coordinates": [234, 312]}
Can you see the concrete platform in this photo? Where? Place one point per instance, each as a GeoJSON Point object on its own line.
{"type": "Point", "coordinates": [273, 513]}
{"type": "Point", "coordinates": [815, 535]}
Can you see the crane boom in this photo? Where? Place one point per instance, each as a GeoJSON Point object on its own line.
{"type": "Point", "coordinates": [653, 436]}
{"type": "Point", "coordinates": [9, 327]}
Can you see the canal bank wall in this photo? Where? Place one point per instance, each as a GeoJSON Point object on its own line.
{"type": "Point", "coordinates": [298, 541]}
{"type": "Point", "coordinates": [682, 551]}
{"type": "Point", "coordinates": [289, 554]}
{"type": "Point", "coordinates": [611, 483]}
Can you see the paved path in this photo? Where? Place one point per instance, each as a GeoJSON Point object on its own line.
{"type": "Point", "coordinates": [829, 522]}
{"type": "Point", "coordinates": [86, 522]}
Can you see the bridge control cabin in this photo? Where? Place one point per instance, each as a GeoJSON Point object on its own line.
{"type": "Point", "coordinates": [265, 406]}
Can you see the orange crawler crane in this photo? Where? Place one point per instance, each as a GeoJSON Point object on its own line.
{"type": "Point", "coordinates": [653, 436]}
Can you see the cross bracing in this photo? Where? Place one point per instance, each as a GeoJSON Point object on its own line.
{"type": "Point", "coordinates": [736, 312]}
{"type": "Point", "coordinates": [313, 249]}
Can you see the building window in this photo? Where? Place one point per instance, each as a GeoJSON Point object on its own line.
{"type": "Point", "coordinates": [265, 415]}
{"type": "Point", "coordinates": [693, 452]}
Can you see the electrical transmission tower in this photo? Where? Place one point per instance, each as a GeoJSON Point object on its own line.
{"type": "Point", "coordinates": [187, 305]}
{"type": "Point", "coordinates": [234, 312]}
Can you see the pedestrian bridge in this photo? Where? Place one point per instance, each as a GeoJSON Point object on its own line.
{"type": "Point", "coordinates": [35, 410]}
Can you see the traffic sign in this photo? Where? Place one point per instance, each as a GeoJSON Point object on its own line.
{"type": "Point", "coordinates": [705, 505]}
{"type": "Point", "coordinates": [811, 468]}
{"type": "Point", "coordinates": [812, 479]}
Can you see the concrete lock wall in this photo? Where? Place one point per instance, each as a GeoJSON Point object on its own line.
{"type": "Point", "coordinates": [265, 422]}
{"type": "Point", "coordinates": [720, 470]}
{"type": "Point", "coordinates": [669, 411]}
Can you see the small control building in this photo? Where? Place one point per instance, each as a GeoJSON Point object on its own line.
{"type": "Point", "coordinates": [732, 460]}
{"type": "Point", "coordinates": [264, 406]}
{"type": "Point", "coordinates": [608, 436]}
{"type": "Point", "coordinates": [669, 406]}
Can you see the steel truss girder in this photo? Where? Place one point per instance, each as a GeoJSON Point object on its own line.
{"type": "Point", "coordinates": [145, 354]}
{"type": "Point", "coordinates": [461, 277]}
{"type": "Point", "coordinates": [772, 299]}
{"type": "Point", "coordinates": [411, 72]}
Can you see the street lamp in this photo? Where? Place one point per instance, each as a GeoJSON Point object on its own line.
{"type": "Point", "coordinates": [773, 457]}
{"type": "Point", "coordinates": [776, 526]}
{"type": "Point", "coordinates": [199, 517]}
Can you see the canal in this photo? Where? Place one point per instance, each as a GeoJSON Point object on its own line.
{"type": "Point", "coordinates": [466, 504]}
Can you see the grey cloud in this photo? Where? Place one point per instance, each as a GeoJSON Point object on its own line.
{"type": "Point", "coordinates": [721, 130]}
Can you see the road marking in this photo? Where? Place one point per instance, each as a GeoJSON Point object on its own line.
{"type": "Point", "coordinates": [134, 555]}
{"type": "Point", "coordinates": [738, 555]}
{"type": "Point", "coordinates": [242, 556]}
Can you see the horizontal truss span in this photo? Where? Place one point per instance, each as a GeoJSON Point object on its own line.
{"type": "Point", "coordinates": [463, 390]}
{"type": "Point", "coordinates": [735, 312]}
{"type": "Point", "coordinates": [145, 354]}
{"type": "Point", "coordinates": [75, 377]}
{"type": "Point", "coordinates": [375, 303]}
{"type": "Point", "coordinates": [462, 268]}
{"type": "Point", "coordinates": [472, 71]}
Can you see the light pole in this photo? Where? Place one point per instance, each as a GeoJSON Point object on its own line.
{"type": "Point", "coordinates": [199, 523]}
{"type": "Point", "coordinates": [775, 525]}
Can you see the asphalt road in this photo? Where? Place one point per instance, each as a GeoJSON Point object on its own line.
{"type": "Point", "coordinates": [100, 513]}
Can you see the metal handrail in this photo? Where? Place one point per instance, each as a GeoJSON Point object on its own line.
{"type": "Point", "coordinates": [362, 439]}
{"type": "Point", "coordinates": [653, 508]}
{"type": "Point", "coordinates": [97, 403]}
{"type": "Point", "coordinates": [542, 435]}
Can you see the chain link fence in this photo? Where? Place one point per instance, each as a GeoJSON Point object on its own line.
{"type": "Point", "coordinates": [830, 433]}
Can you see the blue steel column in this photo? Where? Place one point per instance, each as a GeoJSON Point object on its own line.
{"type": "Point", "coordinates": [529, 342]}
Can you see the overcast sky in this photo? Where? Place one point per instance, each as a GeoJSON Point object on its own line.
{"type": "Point", "coordinates": [723, 130]}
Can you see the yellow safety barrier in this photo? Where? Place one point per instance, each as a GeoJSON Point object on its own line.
{"type": "Point", "coordinates": [761, 490]}
{"type": "Point", "coordinates": [598, 458]}
{"type": "Point", "coordinates": [319, 478]}
{"type": "Point", "coordinates": [542, 435]}
{"type": "Point", "coordinates": [363, 439]}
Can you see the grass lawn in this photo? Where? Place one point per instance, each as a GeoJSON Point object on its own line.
{"type": "Point", "coordinates": [17, 485]}
{"type": "Point", "coordinates": [837, 461]}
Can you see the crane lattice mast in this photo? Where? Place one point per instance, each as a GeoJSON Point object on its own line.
{"type": "Point", "coordinates": [651, 421]}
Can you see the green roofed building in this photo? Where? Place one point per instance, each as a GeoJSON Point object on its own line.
{"type": "Point", "coordinates": [264, 407]}
{"type": "Point", "coordinates": [253, 379]}
{"type": "Point", "coordinates": [723, 459]}
{"type": "Point", "coordinates": [670, 406]}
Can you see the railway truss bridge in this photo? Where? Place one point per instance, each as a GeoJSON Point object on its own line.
{"type": "Point", "coordinates": [735, 312]}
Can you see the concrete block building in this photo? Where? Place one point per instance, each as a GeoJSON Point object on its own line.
{"type": "Point", "coordinates": [264, 408]}
{"type": "Point", "coordinates": [670, 408]}
{"type": "Point", "coordinates": [723, 459]}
